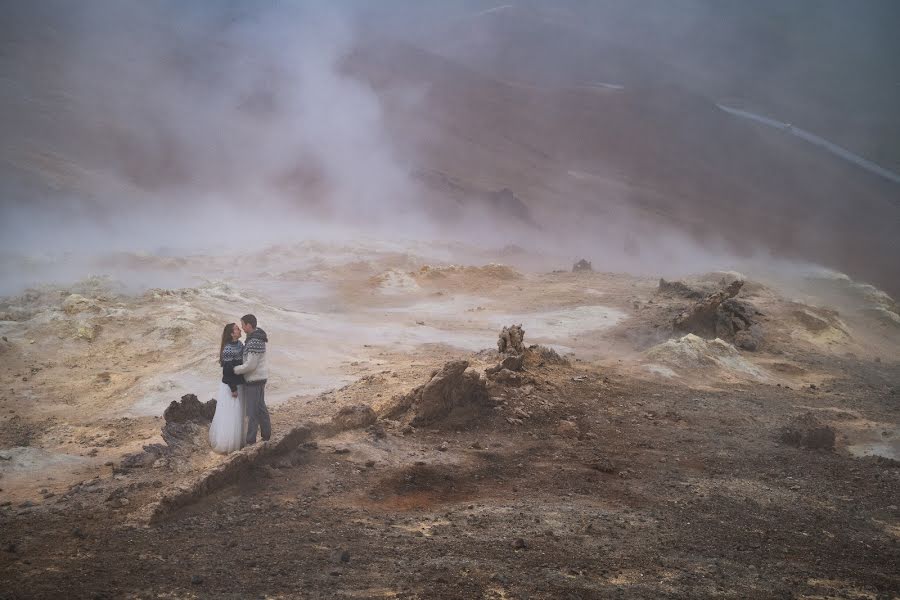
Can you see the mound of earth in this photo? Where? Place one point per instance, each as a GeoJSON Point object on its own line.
{"type": "Point", "coordinates": [357, 416]}
{"type": "Point", "coordinates": [489, 271]}
{"type": "Point", "coordinates": [678, 288]}
{"type": "Point", "coordinates": [538, 356]}
{"type": "Point", "coordinates": [819, 325]}
{"type": "Point", "coordinates": [394, 281]}
{"type": "Point", "coordinates": [693, 352]}
{"type": "Point", "coordinates": [452, 394]}
{"type": "Point", "coordinates": [806, 431]}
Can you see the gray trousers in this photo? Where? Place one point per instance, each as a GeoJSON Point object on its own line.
{"type": "Point", "coordinates": [257, 413]}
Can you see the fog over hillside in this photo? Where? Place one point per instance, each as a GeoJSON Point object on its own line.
{"type": "Point", "coordinates": [590, 128]}
{"type": "Point", "coordinates": [537, 299]}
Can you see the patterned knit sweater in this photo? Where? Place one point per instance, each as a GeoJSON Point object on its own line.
{"type": "Point", "coordinates": [232, 356]}
{"type": "Point", "coordinates": [255, 368]}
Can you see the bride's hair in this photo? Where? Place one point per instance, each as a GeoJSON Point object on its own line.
{"type": "Point", "coordinates": [226, 337]}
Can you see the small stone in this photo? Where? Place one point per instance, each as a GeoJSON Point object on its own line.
{"type": "Point", "coordinates": [341, 555]}
{"type": "Point", "coordinates": [196, 580]}
{"type": "Point", "coordinates": [567, 429]}
{"type": "Point", "coordinates": [370, 464]}
{"type": "Point", "coordinates": [78, 533]}
{"type": "Point", "coordinates": [444, 446]}
{"type": "Point", "coordinates": [519, 544]}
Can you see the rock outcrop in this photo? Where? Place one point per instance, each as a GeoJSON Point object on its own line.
{"type": "Point", "coordinates": [700, 319]}
{"type": "Point", "coordinates": [451, 394]}
{"type": "Point", "coordinates": [582, 266]}
{"type": "Point", "coordinates": [720, 315]}
{"type": "Point", "coordinates": [190, 409]}
{"type": "Point", "coordinates": [511, 340]}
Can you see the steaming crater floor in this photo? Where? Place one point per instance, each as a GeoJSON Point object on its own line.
{"type": "Point", "coordinates": [614, 472]}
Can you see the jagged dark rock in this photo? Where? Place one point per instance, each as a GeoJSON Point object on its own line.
{"type": "Point", "coordinates": [190, 409]}
{"type": "Point", "coordinates": [511, 340]}
{"type": "Point", "coordinates": [582, 266]}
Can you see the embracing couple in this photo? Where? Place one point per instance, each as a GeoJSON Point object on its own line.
{"type": "Point", "coordinates": [242, 392]}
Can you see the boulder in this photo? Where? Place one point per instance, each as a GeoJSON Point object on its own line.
{"type": "Point", "coordinates": [582, 266]}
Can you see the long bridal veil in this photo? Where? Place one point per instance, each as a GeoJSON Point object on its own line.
{"type": "Point", "coordinates": [228, 430]}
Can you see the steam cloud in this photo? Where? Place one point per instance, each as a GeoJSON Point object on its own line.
{"type": "Point", "coordinates": [143, 125]}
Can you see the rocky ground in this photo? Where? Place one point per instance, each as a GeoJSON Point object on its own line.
{"type": "Point", "coordinates": [652, 445]}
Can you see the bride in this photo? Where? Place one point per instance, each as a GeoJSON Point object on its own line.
{"type": "Point", "coordinates": [228, 429]}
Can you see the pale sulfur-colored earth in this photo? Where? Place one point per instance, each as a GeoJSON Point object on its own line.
{"type": "Point", "coordinates": [643, 426]}
{"type": "Point", "coordinates": [89, 368]}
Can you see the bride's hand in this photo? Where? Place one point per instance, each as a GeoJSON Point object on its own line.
{"type": "Point", "coordinates": [234, 394]}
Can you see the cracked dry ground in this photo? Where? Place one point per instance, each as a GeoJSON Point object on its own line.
{"type": "Point", "coordinates": [661, 491]}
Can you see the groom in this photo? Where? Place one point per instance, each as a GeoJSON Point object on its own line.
{"type": "Point", "coordinates": [255, 372]}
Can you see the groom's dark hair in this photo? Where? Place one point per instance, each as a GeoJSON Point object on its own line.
{"type": "Point", "coordinates": [249, 320]}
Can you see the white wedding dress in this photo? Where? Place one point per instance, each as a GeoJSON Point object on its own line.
{"type": "Point", "coordinates": [228, 429]}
